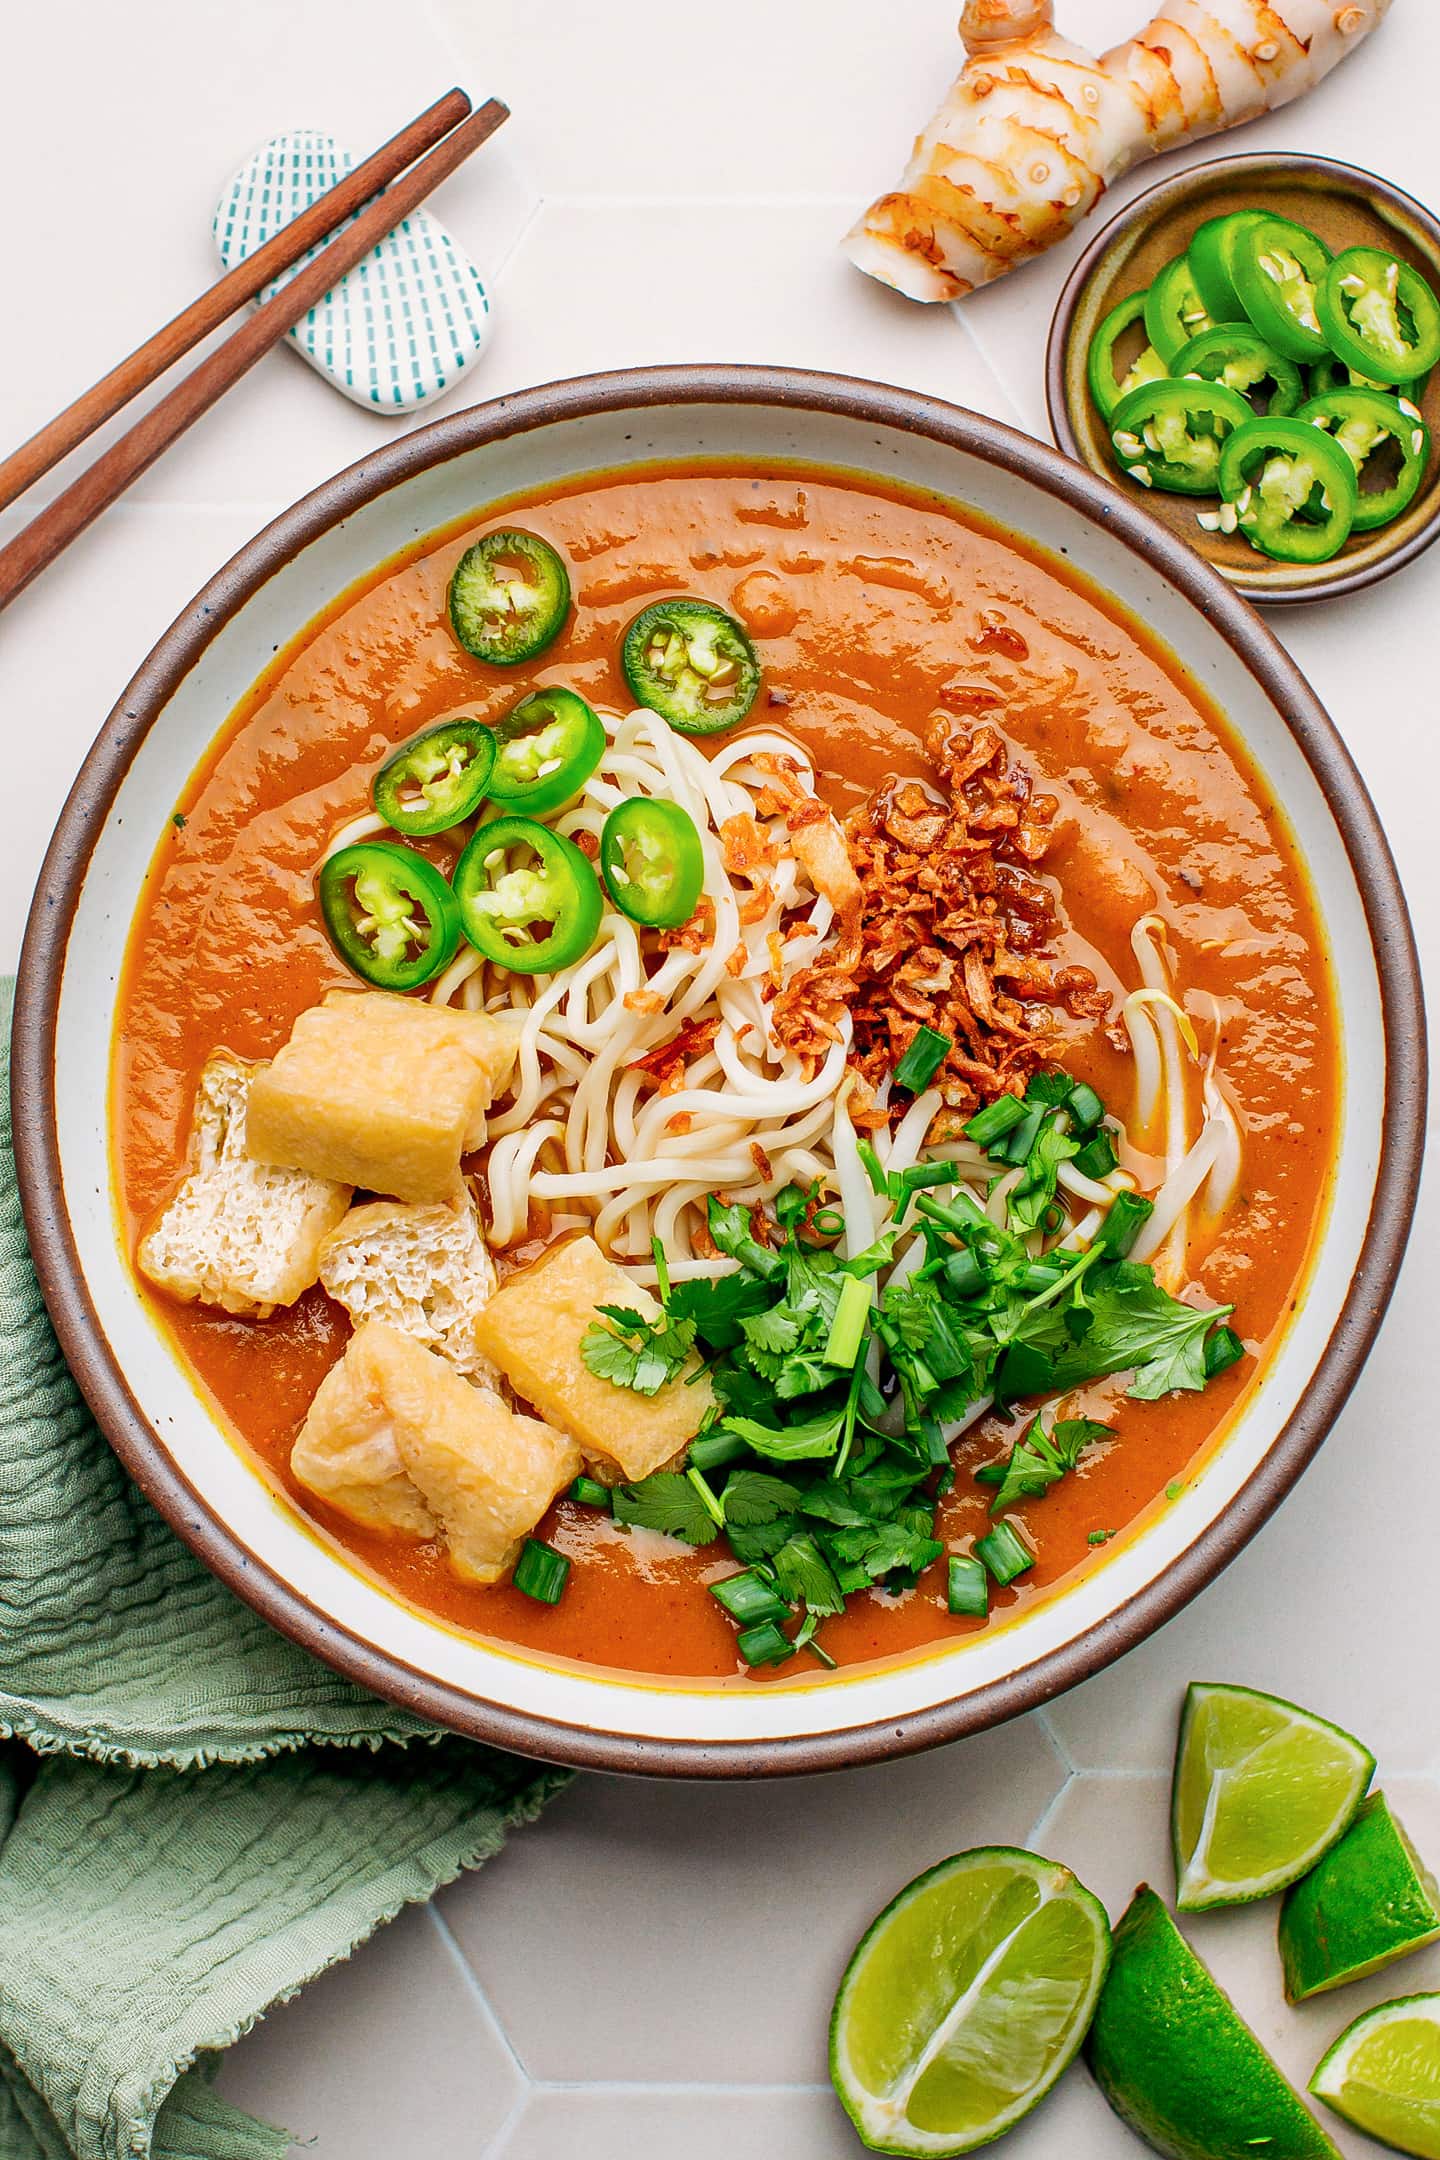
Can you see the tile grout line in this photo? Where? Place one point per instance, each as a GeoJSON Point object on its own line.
{"type": "Point", "coordinates": [446, 1934]}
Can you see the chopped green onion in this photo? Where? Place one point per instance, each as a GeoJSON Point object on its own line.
{"type": "Point", "coordinates": [847, 1329]}
{"type": "Point", "coordinates": [1019, 1142]}
{"type": "Point", "coordinates": [926, 1054]}
{"type": "Point", "coordinates": [717, 1450]}
{"type": "Point", "coordinates": [1053, 1089]}
{"type": "Point", "coordinates": [662, 1269]}
{"type": "Point", "coordinates": [1004, 1553]}
{"type": "Point", "coordinates": [827, 1222]}
{"type": "Point", "coordinates": [1098, 1157]}
{"type": "Point", "coordinates": [764, 1645]}
{"type": "Point", "coordinates": [963, 1274]}
{"type": "Point", "coordinates": [919, 1175]}
{"type": "Point", "coordinates": [879, 1182]}
{"type": "Point", "coordinates": [1128, 1214]}
{"type": "Point", "coordinates": [967, 1593]}
{"type": "Point", "coordinates": [589, 1492]}
{"type": "Point", "coordinates": [1223, 1348]}
{"type": "Point", "coordinates": [957, 1214]}
{"type": "Point", "coordinates": [712, 1506]}
{"type": "Point", "coordinates": [749, 1599]}
{"type": "Point", "coordinates": [541, 1572]}
{"type": "Point", "coordinates": [1085, 1106]}
{"type": "Point", "coordinates": [995, 1120]}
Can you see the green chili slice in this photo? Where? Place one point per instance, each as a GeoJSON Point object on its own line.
{"type": "Point", "coordinates": [1333, 374]}
{"type": "Point", "coordinates": [509, 597]}
{"type": "Point", "coordinates": [652, 862]}
{"type": "Point", "coordinates": [1380, 316]}
{"type": "Point", "coordinates": [1292, 488]}
{"type": "Point", "coordinates": [1106, 386]}
{"type": "Point", "coordinates": [1174, 310]}
{"type": "Point", "coordinates": [1279, 268]}
{"type": "Point", "coordinates": [390, 914]}
{"type": "Point", "coordinates": [692, 663]}
{"type": "Point", "coordinates": [1363, 422]}
{"type": "Point", "coordinates": [1169, 434]}
{"type": "Point", "coordinates": [546, 748]}
{"type": "Point", "coordinates": [1237, 356]}
{"type": "Point", "coordinates": [1209, 258]}
{"type": "Point", "coordinates": [436, 781]}
{"type": "Point", "coordinates": [529, 900]}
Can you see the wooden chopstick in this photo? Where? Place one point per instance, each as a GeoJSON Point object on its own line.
{"type": "Point", "coordinates": [149, 361]}
{"type": "Point", "coordinates": [79, 504]}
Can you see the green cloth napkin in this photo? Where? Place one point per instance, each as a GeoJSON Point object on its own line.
{"type": "Point", "coordinates": [195, 1816]}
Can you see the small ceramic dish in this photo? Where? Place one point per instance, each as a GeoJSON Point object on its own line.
{"type": "Point", "coordinates": [1347, 207]}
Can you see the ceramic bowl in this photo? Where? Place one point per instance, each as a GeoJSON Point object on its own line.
{"type": "Point", "coordinates": [1347, 207]}
{"type": "Point", "coordinates": [211, 1490]}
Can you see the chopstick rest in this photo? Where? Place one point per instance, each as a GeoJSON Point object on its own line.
{"type": "Point", "coordinates": [400, 328]}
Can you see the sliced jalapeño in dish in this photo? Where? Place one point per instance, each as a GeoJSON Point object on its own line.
{"type": "Point", "coordinates": [389, 913]}
{"type": "Point", "coordinates": [436, 781]}
{"type": "Point", "coordinates": [1279, 269]}
{"type": "Point", "coordinates": [1106, 386]}
{"type": "Point", "coordinates": [1363, 422]}
{"type": "Point", "coordinates": [1292, 488]}
{"type": "Point", "coordinates": [1209, 257]}
{"type": "Point", "coordinates": [509, 597]}
{"type": "Point", "coordinates": [692, 663]}
{"type": "Point", "coordinates": [652, 862]}
{"type": "Point", "coordinates": [546, 748]}
{"type": "Point", "coordinates": [1379, 316]}
{"type": "Point", "coordinates": [529, 900]}
{"type": "Point", "coordinates": [1168, 434]}
{"type": "Point", "coordinates": [1174, 310]}
{"type": "Point", "coordinates": [1236, 355]}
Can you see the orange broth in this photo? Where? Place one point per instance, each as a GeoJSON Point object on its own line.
{"type": "Point", "coordinates": [873, 611]}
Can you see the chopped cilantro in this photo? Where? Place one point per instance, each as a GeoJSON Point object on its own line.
{"type": "Point", "coordinates": [635, 1352]}
{"type": "Point", "coordinates": [824, 1454]}
{"type": "Point", "coordinates": [669, 1502]}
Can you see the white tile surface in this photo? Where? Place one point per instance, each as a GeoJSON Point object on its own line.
{"type": "Point", "coordinates": [672, 187]}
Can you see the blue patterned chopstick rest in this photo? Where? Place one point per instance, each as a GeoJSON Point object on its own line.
{"type": "Point", "coordinates": [400, 328]}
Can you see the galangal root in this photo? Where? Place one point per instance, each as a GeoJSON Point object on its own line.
{"type": "Point", "coordinates": [1034, 129]}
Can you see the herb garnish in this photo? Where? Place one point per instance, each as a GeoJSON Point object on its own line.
{"type": "Point", "coordinates": [822, 1463]}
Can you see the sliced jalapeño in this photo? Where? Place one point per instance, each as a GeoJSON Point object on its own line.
{"type": "Point", "coordinates": [692, 663]}
{"type": "Point", "coordinates": [546, 748]}
{"type": "Point", "coordinates": [390, 914]}
{"type": "Point", "coordinates": [509, 597]}
{"type": "Point", "coordinates": [436, 781]}
{"type": "Point", "coordinates": [529, 899]}
{"type": "Point", "coordinates": [652, 862]}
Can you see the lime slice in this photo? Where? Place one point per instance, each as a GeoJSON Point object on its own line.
{"type": "Point", "coordinates": [1383, 2075]}
{"type": "Point", "coordinates": [1176, 2061]}
{"type": "Point", "coordinates": [1369, 1901]}
{"type": "Point", "coordinates": [965, 2000]}
{"type": "Point", "coordinates": [1262, 1789]}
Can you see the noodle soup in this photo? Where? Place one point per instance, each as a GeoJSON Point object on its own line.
{"type": "Point", "coordinates": [972, 811]}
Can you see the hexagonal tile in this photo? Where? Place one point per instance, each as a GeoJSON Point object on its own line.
{"type": "Point", "coordinates": [392, 2052]}
{"type": "Point", "coordinates": [754, 1893]}
{"type": "Point", "coordinates": [817, 311]}
{"type": "Point", "coordinates": [703, 2123]}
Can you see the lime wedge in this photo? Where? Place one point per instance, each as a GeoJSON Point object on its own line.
{"type": "Point", "coordinates": [965, 2000]}
{"type": "Point", "coordinates": [1383, 2075]}
{"type": "Point", "coordinates": [1176, 2061]}
{"type": "Point", "coordinates": [1369, 1901]}
{"type": "Point", "coordinates": [1261, 1790]}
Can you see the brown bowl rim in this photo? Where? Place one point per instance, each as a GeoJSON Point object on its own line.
{"type": "Point", "coordinates": [53, 1242]}
{"type": "Point", "coordinates": [1328, 584]}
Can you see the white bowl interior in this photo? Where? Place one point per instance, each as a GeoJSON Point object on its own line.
{"type": "Point", "coordinates": [221, 1472]}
